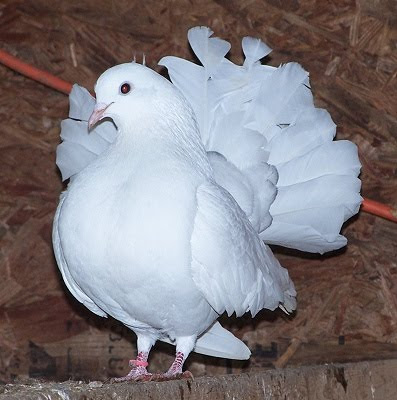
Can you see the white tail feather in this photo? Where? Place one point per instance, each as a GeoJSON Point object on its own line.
{"type": "Point", "coordinates": [81, 103]}
{"type": "Point", "coordinates": [219, 342]}
{"type": "Point", "coordinates": [79, 146]}
{"type": "Point", "coordinates": [210, 51]}
{"type": "Point", "coordinates": [254, 49]}
{"type": "Point", "coordinates": [311, 128]}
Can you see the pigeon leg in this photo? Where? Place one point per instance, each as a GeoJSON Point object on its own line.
{"type": "Point", "coordinates": [184, 345]}
{"type": "Point", "coordinates": [139, 365]}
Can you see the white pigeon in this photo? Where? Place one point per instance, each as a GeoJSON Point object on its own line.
{"type": "Point", "coordinates": [164, 220]}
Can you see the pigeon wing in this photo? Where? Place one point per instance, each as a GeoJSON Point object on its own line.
{"type": "Point", "coordinates": [232, 267]}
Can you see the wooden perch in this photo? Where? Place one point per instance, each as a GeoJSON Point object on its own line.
{"type": "Point", "coordinates": [366, 380]}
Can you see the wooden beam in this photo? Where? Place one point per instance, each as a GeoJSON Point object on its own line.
{"type": "Point", "coordinates": [365, 380]}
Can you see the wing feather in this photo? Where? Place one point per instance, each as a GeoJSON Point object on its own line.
{"type": "Point", "coordinates": [231, 266]}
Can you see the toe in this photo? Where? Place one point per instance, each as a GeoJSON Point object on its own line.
{"type": "Point", "coordinates": [187, 375]}
{"type": "Point", "coordinates": [135, 376]}
{"type": "Point", "coordinates": [172, 376]}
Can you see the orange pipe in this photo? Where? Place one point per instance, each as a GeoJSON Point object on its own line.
{"type": "Point", "coordinates": [34, 73]}
{"type": "Point", "coordinates": [379, 209]}
{"type": "Point", "coordinates": [369, 206]}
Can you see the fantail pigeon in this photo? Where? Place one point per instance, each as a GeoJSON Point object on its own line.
{"type": "Point", "coordinates": [175, 187]}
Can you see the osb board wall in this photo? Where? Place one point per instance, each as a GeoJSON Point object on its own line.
{"type": "Point", "coordinates": [347, 301]}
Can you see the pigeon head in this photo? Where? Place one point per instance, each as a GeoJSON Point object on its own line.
{"type": "Point", "coordinates": [127, 92]}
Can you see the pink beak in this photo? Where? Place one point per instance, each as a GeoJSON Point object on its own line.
{"type": "Point", "coordinates": [98, 114]}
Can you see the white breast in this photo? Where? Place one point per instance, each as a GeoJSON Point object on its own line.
{"type": "Point", "coordinates": [126, 239]}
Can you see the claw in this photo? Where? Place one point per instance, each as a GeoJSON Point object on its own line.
{"type": "Point", "coordinates": [137, 374]}
{"type": "Point", "coordinates": [138, 378]}
{"type": "Point", "coordinates": [172, 377]}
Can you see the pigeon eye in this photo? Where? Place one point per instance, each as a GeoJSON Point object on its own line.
{"type": "Point", "coordinates": [125, 88]}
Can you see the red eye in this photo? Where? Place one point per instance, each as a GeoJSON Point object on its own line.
{"type": "Point", "coordinates": [125, 88]}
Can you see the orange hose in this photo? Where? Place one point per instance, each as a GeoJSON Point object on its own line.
{"type": "Point", "coordinates": [369, 206]}
{"type": "Point", "coordinates": [34, 73]}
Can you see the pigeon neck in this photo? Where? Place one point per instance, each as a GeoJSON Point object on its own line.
{"type": "Point", "coordinates": [142, 131]}
{"type": "Point", "coordinates": [160, 136]}
{"type": "Point", "coordinates": [167, 128]}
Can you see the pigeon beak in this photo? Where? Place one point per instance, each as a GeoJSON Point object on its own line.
{"type": "Point", "coordinates": [98, 114]}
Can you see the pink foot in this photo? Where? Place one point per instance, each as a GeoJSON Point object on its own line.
{"type": "Point", "coordinates": [175, 371]}
{"type": "Point", "coordinates": [135, 375]}
{"type": "Point", "coordinates": [171, 377]}
{"type": "Point", "coordinates": [138, 373]}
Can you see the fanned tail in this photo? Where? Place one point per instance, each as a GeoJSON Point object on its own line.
{"type": "Point", "coordinates": [268, 144]}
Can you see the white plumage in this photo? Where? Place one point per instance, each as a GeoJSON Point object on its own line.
{"type": "Point", "coordinates": [164, 216]}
